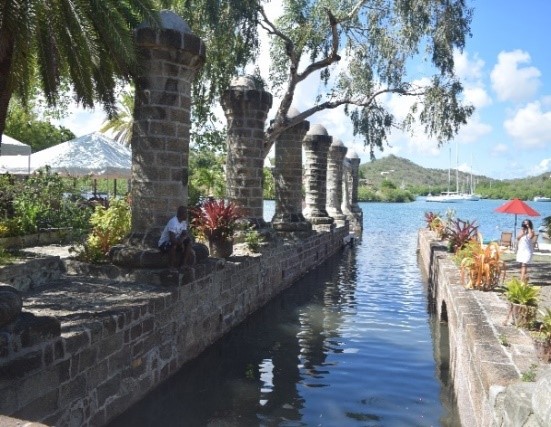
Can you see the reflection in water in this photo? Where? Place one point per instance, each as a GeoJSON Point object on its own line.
{"type": "Point", "coordinates": [348, 345]}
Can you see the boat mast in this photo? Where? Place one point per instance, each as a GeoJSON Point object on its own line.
{"type": "Point", "coordinates": [456, 168]}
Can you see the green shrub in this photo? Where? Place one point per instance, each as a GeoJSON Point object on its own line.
{"type": "Point", "coordinates": [109, 227]}
{"type": "Point", "coordinates": [521, 293]}
{"type": "Point", "coordinates": [253, 239]}
{"type": "Point", "coordinates": [39, 202]}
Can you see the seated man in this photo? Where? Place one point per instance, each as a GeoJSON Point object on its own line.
{"type": "Point", "coordinates": [176, 240]}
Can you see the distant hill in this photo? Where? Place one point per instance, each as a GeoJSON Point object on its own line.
{"type": "Point", "coordinates": [406, 174]}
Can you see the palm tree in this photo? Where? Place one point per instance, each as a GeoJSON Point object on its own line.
{"type": "Point", "coordinates": [121, 123]}
{"type": "Point", "coordinates": [84, 45]}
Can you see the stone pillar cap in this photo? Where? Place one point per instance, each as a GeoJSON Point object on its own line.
{"type": "Point", "coordinates": [352, 154]}
{"type": "Point", "coordinates": [169, 21]}
{"type": "Point", "coordinates": [337, 143]}
{"type": "Point", "coordinates": [292, 113]}
{"type": "Point", "coordinates": [317, 130]}
{"type": "Point", "coordinates": [246, 82]}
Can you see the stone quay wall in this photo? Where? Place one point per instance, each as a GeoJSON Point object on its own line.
{"type": "Point", "coordinates": [85, 349]}
{"type": "Point", "coordinates": [486, 373]}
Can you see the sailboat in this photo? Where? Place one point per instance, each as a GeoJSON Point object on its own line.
{"type": "Point", "coordinates": [471, 194]}
{"type": "Point", "coordinates": [448, 196]}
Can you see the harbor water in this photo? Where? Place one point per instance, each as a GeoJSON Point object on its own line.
{"type": "Point", "coordinates": [353, 343]}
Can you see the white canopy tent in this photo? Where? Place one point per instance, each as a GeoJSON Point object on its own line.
{"type": "Point", "coordinates": [93, 155]}
{"type": "Point", "coordinates": [13, 147]}
{"type": "Point", "coordinates": [15, 156]}
{"type": "Point", "coordinates": [15, 165]}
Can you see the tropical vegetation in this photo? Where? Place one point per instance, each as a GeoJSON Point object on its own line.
{"type": "Point", "coordinates": [27, 125]}
{"type": "Point", "coordinates": [109, 226]}
{"type": "Point", "coordinates": [459, 233]}
{"type": "Point", "coordinates": [215, 219]}
{"type": "Point", "coordinates": [481, 266]}
{"type": "Point", "coordinates": [519, 292]}
{"type": "Point", "coordinates": [54, 48]}
{"type": "Point", "coordinates": [43, 201]}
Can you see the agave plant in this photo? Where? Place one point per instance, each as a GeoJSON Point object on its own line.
{"type": "Point", "coordinates": [482, 266]}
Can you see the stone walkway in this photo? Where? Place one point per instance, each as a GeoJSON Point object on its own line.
{"type": "Point", "coordinates": [539, 271]}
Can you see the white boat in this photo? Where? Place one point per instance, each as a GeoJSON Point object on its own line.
{"type": "Point", "coordinates": [471, 195]}
{"type": "Point", "coordinates": [446, 197]}
{"type": "Point", "coordinates": [542, 199]}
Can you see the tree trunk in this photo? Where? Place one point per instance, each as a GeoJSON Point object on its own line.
{"type": "Point", "coordinates": [6, 90]}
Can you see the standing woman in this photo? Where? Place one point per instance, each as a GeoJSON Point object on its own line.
{"type": "Point", "coordinates": [525, 248]}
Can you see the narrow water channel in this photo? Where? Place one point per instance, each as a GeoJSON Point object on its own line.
{"type": "Point", "coordinates": [352, 344]}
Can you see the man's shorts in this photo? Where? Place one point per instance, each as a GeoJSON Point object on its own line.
{"type": "Point", "coordinates": [165, 247]}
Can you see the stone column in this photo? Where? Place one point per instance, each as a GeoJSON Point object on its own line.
{"type": "Point", "coordinates": [335, 160]}
{"type": "Point", "coordinates": [353, 210]}
{"type": "Point", "coordinates": [170, 56]}
{"type": "Point", "coordinates": [246, 107]}
{"type": "Point", "coordinates": [288, 179]}
{"type": "Point", "coordinates": [316, 146]}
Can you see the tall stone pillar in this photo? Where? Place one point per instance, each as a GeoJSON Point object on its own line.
{"type": "Point", "coordinates": [335, 160]}
{"type": "Point", "coordinates": [353, 210]}
{"type": "Point", "coordinates": [170, 56]}
{"type": "Point", "coordinates": [316, 147]}
{"type": "Point", "coordinates": [287, 173]}
{"type": "Point", "coordinates": [246, 107]}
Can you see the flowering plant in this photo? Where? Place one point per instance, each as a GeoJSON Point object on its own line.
{"type": "Point", "coordinates": [215, 219]}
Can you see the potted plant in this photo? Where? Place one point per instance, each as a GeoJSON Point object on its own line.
{"type": "Point", "coordinates": [215, 221]}
{"type": "Point", "coordinates": [542, 336]}
{"type": "Point", "coordinates": [523, 299]}
{"type": "Point", "coordinates": [481, 267]}
{"type": "Point", "coordinates": [459, 233]}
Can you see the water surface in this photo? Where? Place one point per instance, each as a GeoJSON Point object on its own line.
{"type": "Point", "coordinates": [351, 344]}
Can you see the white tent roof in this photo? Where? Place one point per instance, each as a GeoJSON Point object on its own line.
{"type": "Point", "coordinates": [17, 165]}
{"type": "Point", "coordinates": [92, 155]}
{"type": "Point", "coordinates": [12, 147]}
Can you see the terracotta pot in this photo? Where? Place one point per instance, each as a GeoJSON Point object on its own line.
{"type": "Point", "coordinates": [522, 314]}
{"type": "Point", "coordinates": [543, 350]}
{"type": "Point", "coordinates": [221, 248]}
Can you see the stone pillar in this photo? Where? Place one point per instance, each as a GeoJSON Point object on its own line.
{"type": "Point", "coordinates": [288, 179]}
{"type": "Point", "coordinates": [246, 107]}
{"type": "Point", "coordinates": [350, 206]}
{"type": "Point", "coordinates": [170, 56]}
{"type": "Point", "coordinates": [335, 160]}
{"type": "Point", "coordinates": [316, 146]}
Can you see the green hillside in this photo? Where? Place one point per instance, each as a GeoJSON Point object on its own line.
{"type": "Point", "coordinates": [419, 180]}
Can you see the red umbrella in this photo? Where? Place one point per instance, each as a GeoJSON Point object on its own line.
{"type": "Point", "coordinates": [517, 207]}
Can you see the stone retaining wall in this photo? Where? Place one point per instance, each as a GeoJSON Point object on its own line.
{"type": "Point", "coordinates": [109, 342]}
{"type": "Point", "coordinates": [45, 237]}
{"type": "Point", "coordinates": [487, 374]}
{"type": "Point", "coordinates": [31, 273]}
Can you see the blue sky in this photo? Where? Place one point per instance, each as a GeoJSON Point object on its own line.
{"type": "Point", "coordinates": [506, 71]}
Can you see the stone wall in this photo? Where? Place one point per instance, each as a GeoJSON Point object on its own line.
{"type": "Point", "coordinates": [32, 273]}
{"type": "Point", "coordinates": [90, 347]}
{"type": "Point", "coordinates": [487, 374]}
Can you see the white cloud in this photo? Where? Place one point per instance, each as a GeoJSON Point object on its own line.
{"type": "Point", "coordinates": [530, 126]}
{"type": "Point", "coordinates": [466, 69]}
{"type": "Point", "coordinates": [477, 96]}
{"type": "Point", "coordinates": [542, 167]}
{"type": "Point", "coordinates": [473, 130]}
{"type": "Point", "coordinates": [500, 149]}
{"type": "Point", "coordinates": [510, 81]}
{"type": "Point", "coordinates": [82, 121]}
